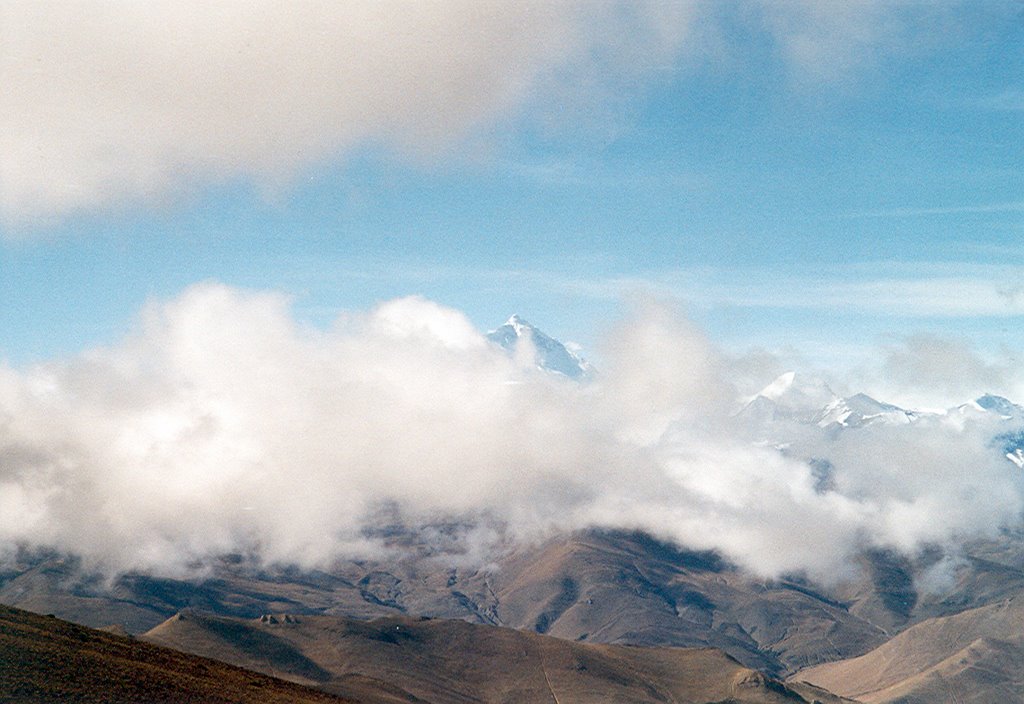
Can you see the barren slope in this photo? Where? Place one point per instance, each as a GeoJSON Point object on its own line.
{"type": "Point", "coordinates": [443, 661]}
{"type": "Point", "coordinates": [629, 588]}
{"type": "Point", "coordinates": [973, 656]}
{"type": "Point", "coordinates": [44, 659]}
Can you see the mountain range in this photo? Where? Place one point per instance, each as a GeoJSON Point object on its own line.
{"type": "Point", "coordinates": [559, 615]}
{"type": "Point", "coordinates": [810, 401]}
{"type": "Point", "coordinates": [793, 402]}
{"type": "Point", "coordinates": [592, 588]}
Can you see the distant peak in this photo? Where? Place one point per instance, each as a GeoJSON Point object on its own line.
{"type": "Point", "coordinates": [516, 320]}
{"type": "Point", "coordinates": [778, 387]}
{"type": "Point", "coordinates": [988, 399]}
{"type": "Point", "coordinates": [862, 398]}
{"type": "Point", "coordinates": [798, 394]}
{"type": "Point", "coordinates": [997, 404]}
{"type": "Point", "coordinates": [549, 354]}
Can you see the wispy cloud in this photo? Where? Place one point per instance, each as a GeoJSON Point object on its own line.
{"type": "Point", "coordinates": [568, 173]}
{"type": "Point", "coordinates": [925, 370]}
{"type": "Point", "coordinates": [1009, 100]}
{"type": "Point", "coordinates": [952, 296]}
{"type": "Point", "coordinates": [826, 40]}
{"type": "Point", "coordinates": [911, 290]}
{"type": "Point", "coordinates": [1012, 207]}
{"type": "Point", "coordinates": [938, 290]}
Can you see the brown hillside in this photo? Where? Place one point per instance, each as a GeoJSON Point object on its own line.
{"type": "Point", "coordinates": [44, 659]}
{"type": "Point", "coordinates": [973, 656]}
{"type": "Point", "coordinates": [442, 661]}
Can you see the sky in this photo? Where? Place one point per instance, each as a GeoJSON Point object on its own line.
{"type": "Point", "coordinates": [817, 179]}
{"type": "Point", "coordinates": [247, 251]}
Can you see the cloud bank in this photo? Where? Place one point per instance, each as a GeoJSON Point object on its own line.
{"type": "Point", "coordinates": [222, 425]}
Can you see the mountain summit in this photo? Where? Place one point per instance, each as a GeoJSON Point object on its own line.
{"type": "Point", "coordinates": [788, 397]}
{"type": "Point", "coordinates": [548, 353]}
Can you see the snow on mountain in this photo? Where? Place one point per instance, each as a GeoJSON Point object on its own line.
{"type": "Point", "coordinates": [548, 353]}
{"type": "Point", "coordinates": [1010, 442]}
{"type": "Point", "coordinates": [789, 397]}
{"type": "Point", "coordinates": [860, 410]}
{"type": "Point", "coordinates": [793, 406]}
{"type": "Point", "coordinates": [798, 392]}
{"type": "Point", "coordinates": [990, 403]}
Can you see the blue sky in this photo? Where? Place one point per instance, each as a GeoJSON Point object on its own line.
{"type": "Point", "coordinates": [801, 176]}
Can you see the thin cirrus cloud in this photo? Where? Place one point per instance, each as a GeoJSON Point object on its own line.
{"type": "Point", "coordinates": [1012, 207]}
{"type": "Point", "coordinates": [932, 297]}
{"type": "Point", "coordinates": [909, 291]}
{"type": "Point", "coordinates": [221, 419]}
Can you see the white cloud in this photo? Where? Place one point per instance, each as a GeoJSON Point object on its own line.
{"type": "Point", "coordinates": [840, 42]}
{"type": "Point", "coordinates": [826, 39]}
{"type": "Point", "coordinates": [222, 425]}
{"type": "Point", "coordinates": [105, 101]}
{"type": "Point", "coordinates": [923, 369]}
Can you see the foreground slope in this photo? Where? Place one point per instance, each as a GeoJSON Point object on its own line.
{"type": "Point", "coordinates": [973, 656]}
{"type": "Point", "coordinates": [43, 659]}
{"type": "Point", "coordinates": [441, 661]}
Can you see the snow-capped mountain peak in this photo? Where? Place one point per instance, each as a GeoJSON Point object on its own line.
{"type": "Point", "coordinates": [795, 411]}
{"type": "Point", "coordinates": [990, 404]}
{"type": "Point", "coordinates": [790, 396]}
{"type": "Point", "coordinates": [861, 409]}
{"type": "Point", "coordinates": [548, 353]}
{"type": "Point", "coordinates": [518, 323]}
{"type": "Point", "coordinates": [798, 392]}
{"type": "Point", "coordinates": [999, 405]}
{"type": "Point", "coordinates": [779, 386]}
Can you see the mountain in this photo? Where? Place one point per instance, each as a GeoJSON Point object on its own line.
{"type": "Point", "coordinates": [973, 656]}
{"type": "Point", "coordinates": [44, 659]}
{"type": "Point", "coordinates": [547, 353]}
{"type": "Point", "coordinates": [592, 586]}
{"type": "Point", "coordinates": [790, 397]}
{"type": "Point", "coordinates": [784, 411]}
{"type": "Point", "coordinates": [859, 410]}
{"type": "Point", "coordinates": [444, 661]}
{"type": "Point", "coordinates": [794, 410]}
{"type": "Point", "coordinates": [1011, 442]}
{"type": "Point", "coordinates": [1000, 406]}
{"type": "Point", "coordinates": [600, 587]}
{"type": "Point", "coordinates": [614, 587]}
{"type": "Point", "coordinates": [810, 401]}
